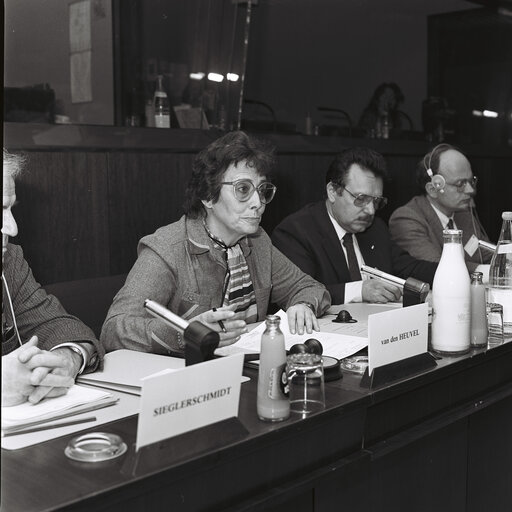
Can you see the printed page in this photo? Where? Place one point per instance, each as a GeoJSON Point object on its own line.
{"type": "Point", "coordinates": [334, 344]}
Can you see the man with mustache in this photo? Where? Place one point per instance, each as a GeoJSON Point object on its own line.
{"type": "Point", "coordinates": [331, 239]}
{"type": "Point", "coordinates": [447, 186]}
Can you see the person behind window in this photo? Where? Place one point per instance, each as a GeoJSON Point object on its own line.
{"type": "Point", "coordinates": [381, 117]}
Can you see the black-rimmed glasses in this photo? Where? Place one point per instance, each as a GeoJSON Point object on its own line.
{"type": "Point", "coordinates": [244, 189]}
{"type": "Point", "coordinates": [361, 200]}
{"type": "Point", "coordinates": [460, 185]}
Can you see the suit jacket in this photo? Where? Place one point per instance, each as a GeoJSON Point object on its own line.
{"type": "Point", "coordinates": [417, 229]}
{"type": "Point", "coordinates": [38, 313]}
{"type": "Point", "coordinates": [309, 239]}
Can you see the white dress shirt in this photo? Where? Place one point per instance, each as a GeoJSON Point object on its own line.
{"type": "Point", "coordinates": [354, 289]}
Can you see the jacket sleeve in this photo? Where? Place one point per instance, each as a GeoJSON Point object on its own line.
{"type": "Point", "coordinates": [290, 285]}
{"type": "Point", "coordinates": [404, 265]}
{"type": "Point", "coordinates": [128, 324]}
{"type": "Point", "coordinates": [41, 314]}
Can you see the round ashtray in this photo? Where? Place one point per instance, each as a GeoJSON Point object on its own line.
{"type": "Point", "coordinates": [95, 447]}
{"type": "Point", "coordinates": [355, 364]}
{"type": "Point", "coordinates": [332, 369]}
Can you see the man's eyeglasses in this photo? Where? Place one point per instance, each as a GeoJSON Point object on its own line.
{"type": "Point", "coordinates": [244, 189]}
{"type": "Point", "coordinates": [364, 199]}
{"type": "Point", "coordinates": [460, 185]}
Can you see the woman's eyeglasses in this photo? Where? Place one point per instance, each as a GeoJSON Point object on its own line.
{"type": "Point", "coordinates": [361, 200]}
{"type": "Point", "coordinates": [244, 189]}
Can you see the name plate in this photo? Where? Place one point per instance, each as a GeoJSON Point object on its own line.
{"type": "Point", "coordinates": [177, 401]}
{"type": "Point", "coordinates": [396, 335]}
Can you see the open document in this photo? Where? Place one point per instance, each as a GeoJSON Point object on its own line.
{"type": "Point", "coordinates": [334, 344]}
{"type": "Point", "coordinates": [77, 400]}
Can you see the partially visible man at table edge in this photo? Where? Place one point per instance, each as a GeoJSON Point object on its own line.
{"type": "Point", "coordinates": [332, 238]}
{"type": "Point", "coordinates": [215, 264]}
{"type": "Point", "coordinates": [43, 347]}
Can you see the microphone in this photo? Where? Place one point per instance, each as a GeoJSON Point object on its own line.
{"type": "Point", "coordinates": [414, 290]}
{"type": "Point", "coordinates": [487, 245]}
{"type": "Point", "coordinates": [200, 340]}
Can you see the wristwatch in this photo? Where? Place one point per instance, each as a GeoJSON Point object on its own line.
{"type": "Point", "coordinates": [78, 350]}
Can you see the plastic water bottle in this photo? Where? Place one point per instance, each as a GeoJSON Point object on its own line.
{"type": "Point", "coordinates": [478, 311]}
{"type": "Point", "coordinates": [500, 273]}
{"type": "Point", "coordinates": [451, 314]}
{"type": "Point", "coordinates": [161, 106]}
{"type": "Point", "coordinates": [272, 403]}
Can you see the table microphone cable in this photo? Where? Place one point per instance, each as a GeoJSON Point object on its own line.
{"type": "Point", "coordinates": [12, 310]}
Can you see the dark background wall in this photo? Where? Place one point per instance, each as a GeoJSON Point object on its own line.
{"type": "Point", "coordinates": [309, 53]}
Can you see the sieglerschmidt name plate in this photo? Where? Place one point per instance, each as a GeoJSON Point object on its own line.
{"type": "Point", "coordinates": [176, 401]}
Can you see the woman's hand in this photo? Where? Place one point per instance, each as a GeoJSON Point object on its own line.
{"type": "Point", "coordinates": [300, 316]}
{"type": "Point", "coordinates": [226, 322]}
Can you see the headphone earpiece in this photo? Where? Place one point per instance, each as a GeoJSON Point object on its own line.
{"type": "Point", "coordinates": [437, 180]}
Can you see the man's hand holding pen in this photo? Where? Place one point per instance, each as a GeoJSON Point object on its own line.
{"type": "Point", "coordinates": [226, 322]}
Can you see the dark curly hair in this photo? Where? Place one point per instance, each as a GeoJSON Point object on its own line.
{"type": "Point", "coordinates": [366, 158]}
{"type": "Point", "coordinates": [212, 162]}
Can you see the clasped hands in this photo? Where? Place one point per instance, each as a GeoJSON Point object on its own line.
{"type": "Point", "coordinates": [300, 318]}
{"type": "Point", "coordinates": [29, 373]}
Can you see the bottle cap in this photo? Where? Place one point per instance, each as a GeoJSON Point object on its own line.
{"type": "Point", "coordinates": [476, 274]}
{"type": "Point", "coordinates": [506, 215]}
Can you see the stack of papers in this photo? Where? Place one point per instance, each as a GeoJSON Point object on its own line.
{"type": "Point", "coordinates": [123, 370]}
{"type": "Point", "coordinates": [77, 400]}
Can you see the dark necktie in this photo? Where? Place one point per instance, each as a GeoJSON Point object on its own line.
{"type": "Point", "coordinates": [353, 266]}
{"type": "Point", "coordinates": [450, 224]}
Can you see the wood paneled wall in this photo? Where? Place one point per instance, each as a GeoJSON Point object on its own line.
{"type": "Point", "coordinates": [81, 212]}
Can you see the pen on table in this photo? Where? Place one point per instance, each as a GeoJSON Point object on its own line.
{"type": "Point", "coordinates": [220, 322]}
{"type": "Point", "coordinates": [47, 427]}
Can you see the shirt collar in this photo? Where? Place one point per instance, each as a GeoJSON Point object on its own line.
{"type": "Point", "coordinates": [340, 232]}
{"type": "Point", "coordinates": [442, 217]}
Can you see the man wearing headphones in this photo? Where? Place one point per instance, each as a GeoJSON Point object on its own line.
{"type": "Point", "coordinates": [447, 186]}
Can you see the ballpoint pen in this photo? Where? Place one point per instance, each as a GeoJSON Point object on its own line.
{"type": "Point", "coordinates": [220, 322]}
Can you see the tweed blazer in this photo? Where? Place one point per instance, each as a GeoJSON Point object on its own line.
{"type": "Point", "coordinates": [309, 239]}
{"type": "Point", "coordinates": [417, 229]}
{"type": "Point", "coordinates": [179, 267]}
{"type": "Point", "coordinates": [38, 313]}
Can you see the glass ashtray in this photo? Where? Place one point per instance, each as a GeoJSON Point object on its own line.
{"type": "Point", "coordinates": [95, 447]}
{"type": "Point", "coordinates": [355, 364]}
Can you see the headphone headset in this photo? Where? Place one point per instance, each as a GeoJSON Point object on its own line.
{"type": "Point", "coordinates": [437, 180]}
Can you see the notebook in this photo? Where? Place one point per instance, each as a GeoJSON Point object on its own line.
{"type": "Point", "coordinates": [77, 400]}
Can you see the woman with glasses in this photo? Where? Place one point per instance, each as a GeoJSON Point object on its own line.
{"type": "Point", "coordinates": [215, 265]}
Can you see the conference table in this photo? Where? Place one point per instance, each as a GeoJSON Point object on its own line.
{"type": "Point", "coordinates": [437, 440]}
